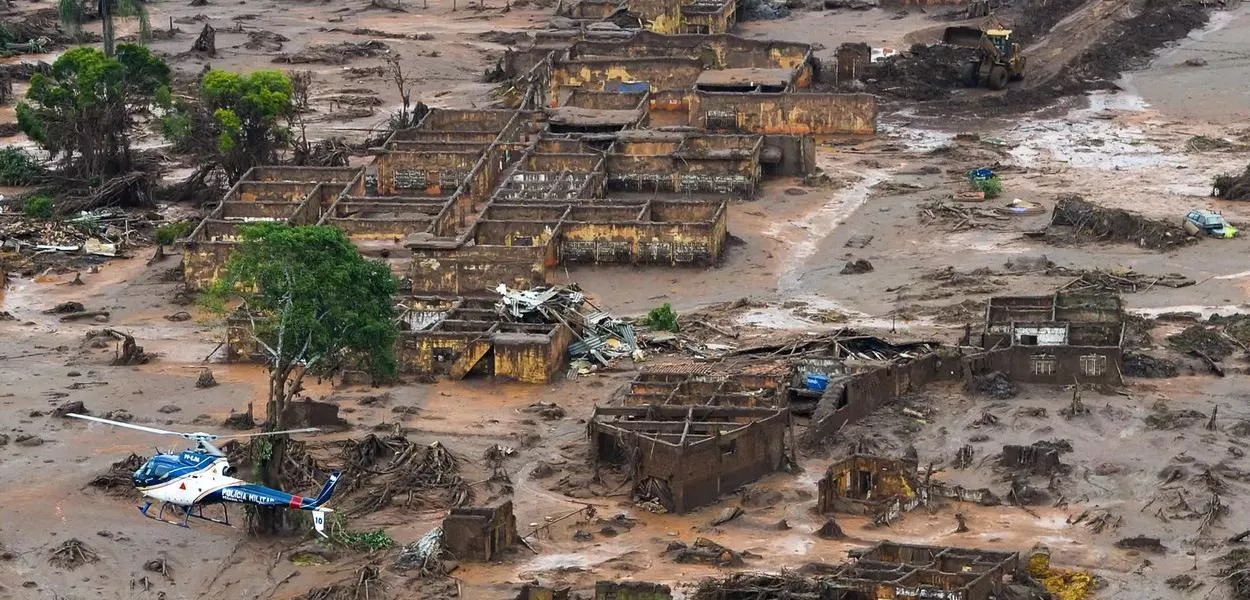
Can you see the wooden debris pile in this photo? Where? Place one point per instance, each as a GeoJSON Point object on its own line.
{"type": "Point", "coordinates": [413, 476]}
{"type": "Point", "coordinates": [1124, 281]}
{"type": "Point", "coordinates": [366, 583]}
{"type": "Point", "coordinates": [1235, 569]}
{"type": "Point", "coordinates": [334, 54]}
{"type": "Point", "coordinates": [962, 217]}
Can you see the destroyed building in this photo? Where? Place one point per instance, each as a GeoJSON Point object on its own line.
{"type": "Point", "coordinates": [717, 83]}
{"type": "Point", "coordinates": [887, 570]}
{"type": "Point", "coordinates": [710, 384]}
{"type": "Point", "coordinates": [858, 374]}
{"type": "Point", "coordinates": [525, 336]}
{"type": "Point", "coordinates": [892, 570]}
{"type": "Point", "coordinates": [618, 150]}
{"type": "Point", "coordinates": [480, 534]}
{"type": "Point", "coordinates": [687, 456]}
{"type": "Point", "coordinates": [882, 488]}
{"type": "Point", "coordinates": [1057, 339]}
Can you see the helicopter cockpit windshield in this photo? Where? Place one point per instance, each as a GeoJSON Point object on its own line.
{"type": "Point", "coordinates": [146, 474]}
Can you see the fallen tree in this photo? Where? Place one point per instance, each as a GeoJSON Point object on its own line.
{"type": "Point", "coordinates": [1090, 221]}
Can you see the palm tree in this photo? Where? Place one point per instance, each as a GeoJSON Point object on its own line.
{"type": "Point", "coordinates": [71, 13]}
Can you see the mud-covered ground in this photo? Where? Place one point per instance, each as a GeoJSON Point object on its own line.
{"type": "Point", "coordinates": [887, 200]}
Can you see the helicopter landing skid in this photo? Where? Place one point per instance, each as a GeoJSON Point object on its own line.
{"type": "Point", "coordinates": [195, 511]}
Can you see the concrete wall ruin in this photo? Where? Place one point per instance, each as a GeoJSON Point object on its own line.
{"type": "Point", "coordinates": [1057, 339]}
{"type": "Point", "coordinates": [694, 454]}
{"type": "Point", "coordinates": [459, 337]}
{"type": "Point", "coordinates": [480, 534]}
{"type": "Point", "coordinates": [793, 114]}
{"type": "Point", "coordinates": [851, 397]}
{"type": "Point", "coordinates": [868, 485]}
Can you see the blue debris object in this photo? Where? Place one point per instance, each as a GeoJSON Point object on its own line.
{"type": "Point", "coordinates": [817, 382]}
{"type": "Point", "coordinates": [980, 174]}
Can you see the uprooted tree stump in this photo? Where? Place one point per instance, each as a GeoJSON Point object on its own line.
{"type": "Point", "coordinates": [830, 530]}
{"type": "Point", "coordinates": [414, 476]}
{"type": "Point", "coordinates": [71, 554]}
{"type": "Point", "coordinates": [241, 421]}
{"type": "Point", "coordinates": [206, 43]}
{"type": "Point", "coordinates": [130, 353]}
{"type": "Point", "coordinates": [118, 480]}
{"type": "Point", "coordinates": [205, 379]}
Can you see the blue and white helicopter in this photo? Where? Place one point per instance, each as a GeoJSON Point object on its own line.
{"type": "Point", "coordinates": [192, 479]}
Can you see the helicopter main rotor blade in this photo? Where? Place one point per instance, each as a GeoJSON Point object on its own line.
{"type": "Point", "coordinates": [246, 435]}
{"type": "Point", "coordinates": [126, 425]}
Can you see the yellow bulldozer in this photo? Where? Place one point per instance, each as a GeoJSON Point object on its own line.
{"type": "Point", "coordinates": [997, 60]}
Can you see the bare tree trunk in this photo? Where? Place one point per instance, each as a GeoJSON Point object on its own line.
{"type": "Point", "coordinates": [275, 520]}
{"type": "Point", "coordinates": [106, 28]}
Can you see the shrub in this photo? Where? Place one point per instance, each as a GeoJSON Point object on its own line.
{"type": "Point", "coordinates": [39, 206]}
{"type": "Point", "coordinates": [992, 187]}
{"type": "Point", "coordinates": [18, 167]}
{"type": "Point", "coordinates": [170, 232]}
{"type": "Point", "coordinates": [662, 318]}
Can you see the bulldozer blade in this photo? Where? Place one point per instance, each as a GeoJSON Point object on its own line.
{"type": "Point", "coordinates": [962, 36]}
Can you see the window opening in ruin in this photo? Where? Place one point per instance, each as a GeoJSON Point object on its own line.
{"type": "Point", "coordinates": [721, 119]}
{"type": "Point", "coordinates": [729, 449]}
{"type": "Point", "coordinates": [1028, 340]}
{"type": "Point", "coordinates": [842, 399]}
{"type": "Point", "coordinates": [1093, 365]}
{"type": "Point", "coordinates": [1043, 364]}
{"type": "Point", "coordinates": [863, 485]}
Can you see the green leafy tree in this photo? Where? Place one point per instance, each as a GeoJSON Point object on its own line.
{"type": "Point", "coordinates": [316, 305]}
{"type": "Point", "coordinates": [662, 318]}
{"type": "Point", "coordinates": [247, 118]}
{"type": "Point", "coordinates": [18, 167]}
{"type": "Point", "coordinates": [82, 110]}
{"type": "Point", "coordinates": [72, 14]}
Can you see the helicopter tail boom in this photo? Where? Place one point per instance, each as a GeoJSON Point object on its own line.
{"type": "Point", "coordinates": [326, 492]}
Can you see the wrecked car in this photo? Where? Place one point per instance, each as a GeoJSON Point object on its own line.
{"type": "Point", "coordinates": [1199, 221]}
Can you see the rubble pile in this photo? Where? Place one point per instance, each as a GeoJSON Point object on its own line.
{"type": "Point", "coordinates": [786, 584]}
{"type": "Point", "coordinates": [600, 336]}
{"type": "Point", "coordinates": [1202, 340]}
{"type": "Point", "coordinates": [1090, 221]}
{"type": "Point", "coordinates": [1144, 365]}
{"type": "Point", "coordinates": [996, 385]}
{"type": "Point", "coordinates": [705, 551]}
{"type": "Point", "coordinates": [922, 73]}
{"type": "Point", "coordinates": [427, 555]}
{"type": "Point", "coordinates": [102, 233]}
